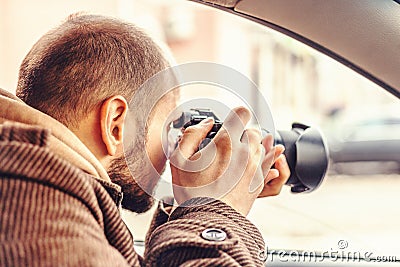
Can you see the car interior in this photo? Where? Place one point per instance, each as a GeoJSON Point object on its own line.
{"type": "Point", "coordinates": [364, 37]}
{"type": "Point", "coordinates": [332, 65]}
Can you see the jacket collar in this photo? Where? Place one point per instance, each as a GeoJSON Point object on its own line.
{"type": "Point", "coordinates": [61, 141]}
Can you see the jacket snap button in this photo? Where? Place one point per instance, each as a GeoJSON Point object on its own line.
{"type": "Point", "coordinates": [213, 234]}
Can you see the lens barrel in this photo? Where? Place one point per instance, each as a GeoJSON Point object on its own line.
{"type": "Point", "coordinates": [307, 155]}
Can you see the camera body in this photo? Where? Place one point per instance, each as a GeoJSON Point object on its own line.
{"type": "Point", "coordinates": [306, 149]}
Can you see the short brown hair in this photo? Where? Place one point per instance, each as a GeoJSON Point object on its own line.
{"type": "Point", "coordinates": [85, 60]}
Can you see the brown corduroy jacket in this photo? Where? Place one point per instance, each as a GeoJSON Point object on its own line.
{"type": "Point", "coordinates": [58, 207]}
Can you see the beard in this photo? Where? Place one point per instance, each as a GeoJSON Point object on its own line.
{"type": "Point", "coordinates": [137, 178]}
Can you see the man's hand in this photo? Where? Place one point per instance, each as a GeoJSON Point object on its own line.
{"type": "Point", "coordinates": [275, 177]}
{"type": "Point", "coordinates": [234, 167]}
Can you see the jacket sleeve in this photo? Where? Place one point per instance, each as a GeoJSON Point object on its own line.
{"type": "Point", "coordinates": [203, 232]}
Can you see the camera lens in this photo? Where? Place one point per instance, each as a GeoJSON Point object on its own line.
{"type": "Point", "coordinates": [307, 155]}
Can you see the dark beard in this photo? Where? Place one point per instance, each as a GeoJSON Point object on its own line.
{"type": "Point", "coordinates": [137, 193]}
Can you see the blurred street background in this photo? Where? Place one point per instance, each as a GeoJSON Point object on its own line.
{"type": "Point", "coordinates": [358, 202]}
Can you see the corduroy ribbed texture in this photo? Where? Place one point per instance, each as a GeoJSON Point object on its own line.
{"type": "Point", "coordinates": [54, 214]}
{"type": "Point", "coordinates": [184, 227]}
{"type": "Point", "coordinates": [51, 213]}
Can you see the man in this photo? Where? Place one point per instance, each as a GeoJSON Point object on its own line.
{"type": "Point", "coordinates": [59, 205]}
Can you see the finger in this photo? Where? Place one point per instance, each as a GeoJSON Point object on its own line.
{"type": "Point", "coordinates": [273, 188]}
{"type": "Point", "coordinates": [272, 156]}
{"type": "Point", "coordinates": [279, 149]}
{"type": "Point", "coordinates": [252, 137]}
{"type": "Point", "coordinates": [235, 124]}
{"type": "Point", "coordinates": [282, 166]}
{"type": "Point", "coordinates": [251, 140]}
{"type": "Point", "coordinates": [257, 179]}
{"type": "Point", "coordinates": [268, 142]}
{"type": "Point", "coordinates": [192, 137]}
{"type": "Point", "coordinates": [273, 185]}
{"type": "Point", "coordinates": [272, 174]}
{"type": "Point", "coordinates": [269, 158]}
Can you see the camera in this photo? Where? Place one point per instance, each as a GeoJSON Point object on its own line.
{"type": "Point", "coordinates": [306, 150]}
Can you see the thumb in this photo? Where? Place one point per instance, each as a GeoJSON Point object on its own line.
{"type": "Point", "coordinates": [192, 137]}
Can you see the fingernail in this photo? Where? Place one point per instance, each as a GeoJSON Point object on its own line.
{"type": "Point", "coordinates": [275, 173]}
{"type": "Point", "coordinates": [283, 148]}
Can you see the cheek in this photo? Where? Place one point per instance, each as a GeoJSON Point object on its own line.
{"type": "Point", "coordinates": [154, 146]}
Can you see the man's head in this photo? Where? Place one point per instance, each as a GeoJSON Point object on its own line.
{"type": "Point", "coordinates": [83, 73]}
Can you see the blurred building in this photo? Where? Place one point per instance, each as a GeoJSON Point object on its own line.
{"type": "Point", "coordinates": [298, 83]}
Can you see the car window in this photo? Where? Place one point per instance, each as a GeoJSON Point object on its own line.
{"type": "Point", "coordinates": [355, 209]}
{"type": "Point", "coordinates": [370, 132]}
{"type": "Point", "coordinates": [357, 206]}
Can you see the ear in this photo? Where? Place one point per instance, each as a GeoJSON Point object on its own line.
{"type": "Point", "coordinates": [112, 119]}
